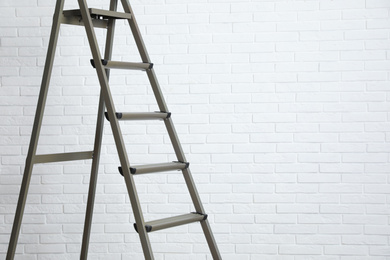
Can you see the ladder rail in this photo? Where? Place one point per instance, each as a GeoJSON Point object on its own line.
{"type": "Point", "coordinates": [171, 131]}
{"type": "Point", "coordinates": [93, 180]}
{"type": "Point", "coordinates": [36, 129]}
{"type": "Point", "coordinates": [137, 211]}
{"type": "Point", "coordinates": [98, 141]}
{"type": "Point", "coordinates": [136, 33]}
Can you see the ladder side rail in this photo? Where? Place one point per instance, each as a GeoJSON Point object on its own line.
{"type": "Point", "coordinates": [137, 211]}
{"type": "Point", "coordinates": [57, 17]}
{"type": "Point", "coordinates": [153, 81]}
{"type": "Point", "coordinates": [93, 179]}
{"type": "Point", "coordinates": [136, 33]}
{"type": "Point", "coordinates": [171, 131]}
{"type": "Point", "coordinates": [210, 240]}
{"type": "Point", "coordinates": [163, 107]}
{"type": "Point", "coordinates": [98, 141]}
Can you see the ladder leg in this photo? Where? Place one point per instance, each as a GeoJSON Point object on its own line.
{"type": "Point", "coordinates": [93, 180]}
{"type": "Point", "coordinates": [210, 240]}
{"type": "Point", "coordinates": [172, 132]}
{"type": "Point", "coordinates": [137, 211]}
{"type": "Point", "coordinates": [36, 130]}
{"type": "Point", "coordinates": [199, 208]}
{"type": "Point", "coordinates": [98, 141]}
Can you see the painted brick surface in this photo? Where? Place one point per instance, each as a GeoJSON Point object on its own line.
{"type": "Point", "coordinates": [282, 107]}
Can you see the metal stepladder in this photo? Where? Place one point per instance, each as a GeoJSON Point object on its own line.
{"type": "Point", "coordinates": [90, 18]}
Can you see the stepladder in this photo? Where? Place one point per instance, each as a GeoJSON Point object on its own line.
{"type": "Point", "coordinates": [90, 18]}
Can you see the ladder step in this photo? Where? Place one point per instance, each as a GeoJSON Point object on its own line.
{"type": "Point", "coordinates": [124, 65]}
{"type": "Point", "coordinates": [98, 14]}
{"type": "Point", "coordinates": [157, 167]}
{"type": "Point", "coordinates": [141, 116]}
{"type": "Point", "coordinates": [172, 221]}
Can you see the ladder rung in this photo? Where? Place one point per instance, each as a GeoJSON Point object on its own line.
{"type": "Point", "coordinates": [61, 157]}
{"type": "Point", "coordinates": [141, 116]}
{"type": "Point", "coordinates": [99, 14]}
{"type": "Point", "coordinates": [158, 167]}
{"type": "Point", "coordinates": [108, 64]}
{"type": "Point", "coordinates": [172, 221]}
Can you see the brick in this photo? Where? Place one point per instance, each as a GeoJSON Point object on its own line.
{"type": "Point", "coordinates": [271, 57]}
{"type": "Point", "coordinates": [225, 18]}
{"type": "Point", "coordinates": [319, 15]}
{"type": "Point", "coordinates": [299, 26]}
{"type": "Point", "coordinates": [278, 219]}
{"type": "Point", "coordinates": [363, 55]}
{"type": "Point", "coordinates": [277, 37]}
{"type": "Point", "coordinates": [315, 138]}
{"type": "Point", "coordinates": [379, 251]}
{"type": "Point", "coordinates": [22, 22]}
{"type": "Point", "coordinates": [322, 35]}
{"type": "Point", "coordinates": [296, 47]}
{"type": "Point", "coordinates": [340, 188]}
{"type": "Point", "coordinates": [318, 239]}
{"type": "Point", "coordinates": [364, 76]}
{"type": "Point", "coordinates": [275, 17]}
{"type": "Point", "coordinates": [343, 148]}
{"type": "Point", "coordinates": [300, 250]}
{"type": "Point", "coordinates": [345, 250]}
{"type": "Point", "coordinates": [255, 148]}
{"type": "Point", "coordinates": [378, 157]}
{"type": "Point", "coordinates": [376, 188]}
{"type": "Point", "coordinates": [366, 13]}
{"type": "Point", "coordinates": [319, 77]}
{"type": "Point", "coordinates": [253, 6]}
{"type": "Point", "coordinates": [367, 220]}
{"type": "Point", "coordinates": [341, 229]}
{"type": "Point", "coordinates": [201, 8]}
{"type": "Point", "coordinates": [348, 4]}
{"type": "Point", "coordinates": [205, 28]}
{"type": "Point", "coordinates": [295, 229]}
{"type": "Point", "coordinates": [358, 199]}
{"type": "Point", "coordinates": [299, 5]}
{"type": "Point", "coordinates": [260, 249]}
{"type": "Point", "coordinates": [376, 230]}
{"type": "Point", "coordinates": [223, 38]}
{"type": "Point", "coordinates": [317, 56]}
{"type": "Point", "coordinates": [45, 248]}
{"type": "Point", "coordinates": [297, 127]}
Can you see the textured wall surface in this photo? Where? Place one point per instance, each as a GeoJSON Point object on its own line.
{"type": "Point", "coordinates": [282, 108]}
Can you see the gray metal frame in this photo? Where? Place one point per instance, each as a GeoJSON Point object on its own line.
{"type": "Point", "coordinates": [83, 17]}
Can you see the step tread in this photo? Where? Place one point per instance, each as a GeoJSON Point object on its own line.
{"type": "Point", "coordinates": [173, 221]}
{"type": "Point", "coordinates": [110, 64]}
{"type": "Point", "coordinates": [156, 167]}
{"type": "Point", "coordinates": [140, 115]}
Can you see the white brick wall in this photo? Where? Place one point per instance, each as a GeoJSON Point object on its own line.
{"type": "Point", "coordinates": [283, 109]}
